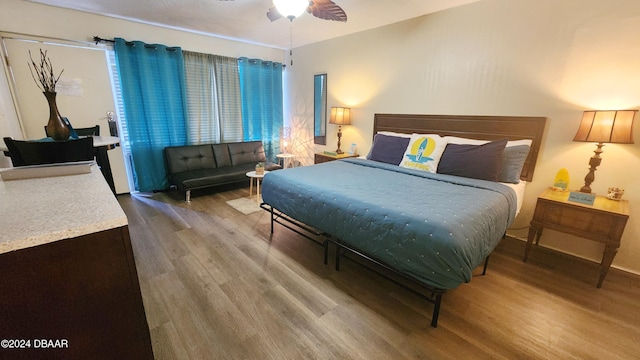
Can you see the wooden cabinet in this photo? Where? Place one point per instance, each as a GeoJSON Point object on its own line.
{"type": "Point", "coordinates": [604, 221]}
{"type": "Point", "coordinates": [82, 292]}
{"type": "Point", "coordinates": [319, 158]}
{"type": "Point", "coordinates": [69, 287]}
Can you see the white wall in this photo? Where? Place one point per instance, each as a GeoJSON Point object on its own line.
{"type": "Point", "coordinates": [496, 57]}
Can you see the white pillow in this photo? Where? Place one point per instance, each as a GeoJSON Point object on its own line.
{"type": "Point", "coordinates": [519, 142]}
{"type": "Point", "coordinates": [397, 134]}
{"type": "Point", "coordinates": [423, 152]}
{"type": "Point", "coordinates": [466, 141]}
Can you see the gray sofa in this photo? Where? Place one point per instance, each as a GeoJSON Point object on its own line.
{"type": "Point", "coordinates": [193, 167]}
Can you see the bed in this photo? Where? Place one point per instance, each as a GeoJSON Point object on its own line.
{"type": "Point", "coordinates": [433, 227]}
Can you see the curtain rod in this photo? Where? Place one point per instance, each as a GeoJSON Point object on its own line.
{"type": "Point", "coordinates": [42, 38]}
{"type": "Point", "coordinates": [98, 39]}
{"type": "Point", "coordinates": [263, 61]}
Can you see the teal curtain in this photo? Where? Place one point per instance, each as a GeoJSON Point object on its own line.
{"type": "Point", "coordinates": [262, 103]}
{"type": "Point", "coordinates": [154, 96]}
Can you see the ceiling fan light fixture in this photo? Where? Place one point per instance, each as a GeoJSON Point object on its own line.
{"type": "Point", "coordinates": [291, 9]}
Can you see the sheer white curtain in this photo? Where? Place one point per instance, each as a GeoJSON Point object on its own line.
{"type": "Point", "coordinates": [229, 101]}
{"type": "Point", "coordinates": [213, 98]}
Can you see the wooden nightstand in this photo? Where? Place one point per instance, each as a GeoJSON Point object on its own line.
{"type": "Point", "coordinates": [604, 221]}
{"type": "Point", "coordinates": [319, 158]}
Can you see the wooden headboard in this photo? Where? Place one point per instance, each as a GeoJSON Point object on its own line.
{"type": "Point", "coordinates": [473, 127]}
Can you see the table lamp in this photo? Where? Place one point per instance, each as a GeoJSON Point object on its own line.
{"type": "Point", "coordinates": [285, 139]}
{"type": "Point", "coordinates": [599, 126]}
{"type": "Point", "coordinates": [340, 116]}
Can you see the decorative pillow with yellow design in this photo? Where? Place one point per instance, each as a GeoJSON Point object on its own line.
{"type": "Point", "coordinates": [423, 152]}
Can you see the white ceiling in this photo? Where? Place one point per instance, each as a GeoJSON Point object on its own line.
{"type": "Point", "coordinates": [246, 20]}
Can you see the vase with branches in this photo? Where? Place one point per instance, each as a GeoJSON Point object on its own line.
{"type": "Point", "coordinates": [46, 80]}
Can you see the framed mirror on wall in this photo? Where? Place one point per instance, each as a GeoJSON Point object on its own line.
{"type": "Point", "coordinates": [320, 109]}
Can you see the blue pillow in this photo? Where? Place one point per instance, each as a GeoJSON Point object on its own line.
{"type": "Point", "coordinates": [388, 149]}
{"type": "Point", "coordinates": [513, 159]}
{"type": "Point", "coordinates": [473, 161]}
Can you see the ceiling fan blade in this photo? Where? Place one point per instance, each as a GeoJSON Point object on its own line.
{"type": "Point", "coordinates": [273, 14]}
{"type": "Point", "coordinates": [327, 10]}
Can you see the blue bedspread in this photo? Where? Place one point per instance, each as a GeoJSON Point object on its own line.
{"type": "Point", "coordinates": [434, 228]}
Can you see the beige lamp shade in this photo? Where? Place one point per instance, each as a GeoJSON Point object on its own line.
{"type": "Point", "coordinates": [606, 127]}
{"type": "Point", "coordinates": [340, 116]}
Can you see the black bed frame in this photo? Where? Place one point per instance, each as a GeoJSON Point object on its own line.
{"type": "Point", "coordinates": [474, 127]}
{"type": "Point", "coordinates": [434, 295]}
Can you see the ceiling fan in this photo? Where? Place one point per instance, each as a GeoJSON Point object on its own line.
{"type": "Point", "coordinates": [291, 9]}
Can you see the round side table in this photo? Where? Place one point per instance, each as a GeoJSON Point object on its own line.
{"type": "Point", "coordinates": [287, 160]}
{"type": "Point", "coordinates": [257, 177]}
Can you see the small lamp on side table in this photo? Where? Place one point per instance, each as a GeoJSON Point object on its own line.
{"type": "Point", "coordinates": [340, 116]}
{"type": "Point", "coordinates": [285, 139]}
{"type": "Point", "coordinates": [604, 127]}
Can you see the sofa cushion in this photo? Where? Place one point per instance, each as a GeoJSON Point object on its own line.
{"type": "Point", "coordinates": [250, 152]}
{"type": "Point", "coordinates": [269, 166]}
{"type": "Point", "coordinates": [221, 153]}
{"type": "Point", "coordinates": [196, 179]}
{"type": "Point", "coordinates": [207, 177]}
{"type": "Point", "coordinates": [187, 158]}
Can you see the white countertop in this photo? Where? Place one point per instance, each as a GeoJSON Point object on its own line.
{"type": "Point", "coordinates": [43, 210]}
{"type": "Point", "coordinates": [105, 140]}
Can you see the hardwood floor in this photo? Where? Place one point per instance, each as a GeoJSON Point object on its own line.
{"type": "Point", "coordinates": [214, 287]}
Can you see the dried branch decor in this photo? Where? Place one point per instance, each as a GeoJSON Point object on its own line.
{"type": "Point", "coordinates": [43, 74]}
{"type": "Point", "coordinates": [46, 81]}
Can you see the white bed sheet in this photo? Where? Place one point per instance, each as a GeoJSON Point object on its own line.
{"type": "Point", "coordinates": [519, 189]}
